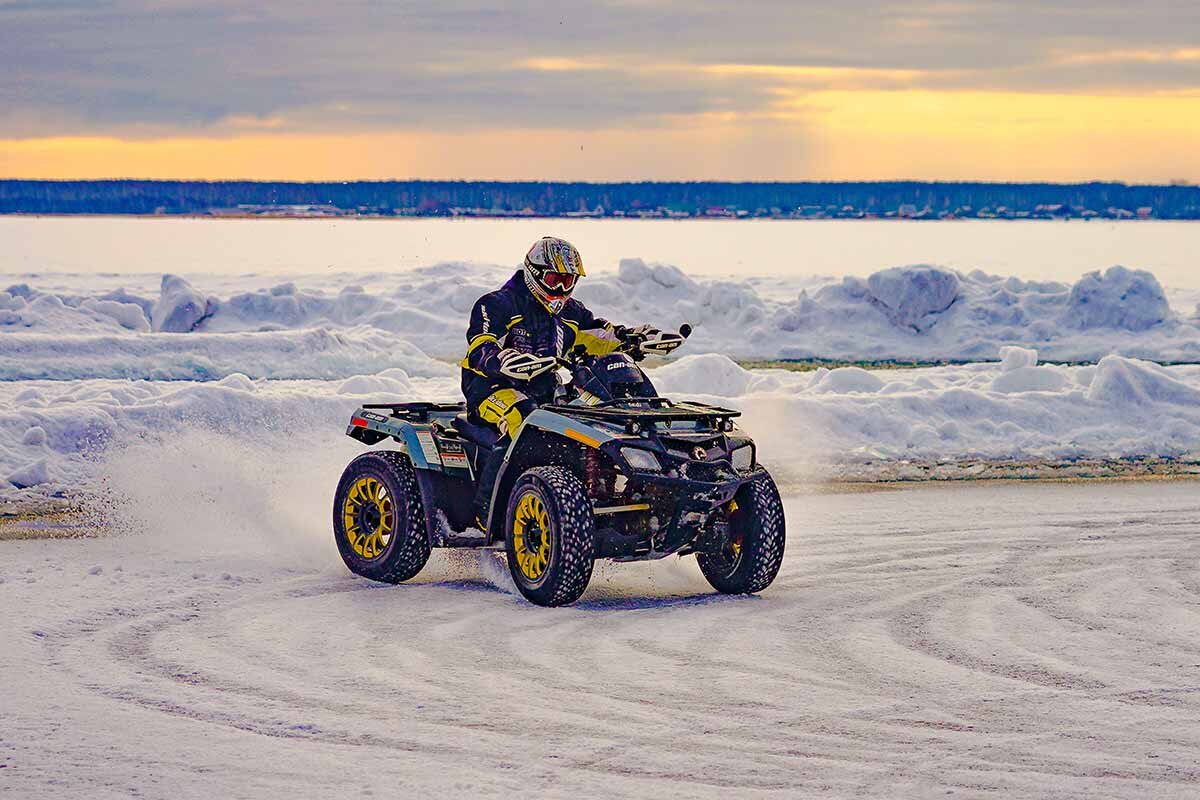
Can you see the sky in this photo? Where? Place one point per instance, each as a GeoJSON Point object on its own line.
{"type": "Point", "coordinates": [609, 91]}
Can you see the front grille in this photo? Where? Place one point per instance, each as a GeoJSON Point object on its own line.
{"type": "Point", "coordinates": [706, 471]}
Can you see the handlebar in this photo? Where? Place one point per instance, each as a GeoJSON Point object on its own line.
{"type": "Point", "coordinates": [630, 345]}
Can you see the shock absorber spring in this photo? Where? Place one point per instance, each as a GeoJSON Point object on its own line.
{"type": "Point", "coordinates": [591, 473]}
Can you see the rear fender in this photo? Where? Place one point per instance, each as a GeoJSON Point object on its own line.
{"type": "Point", "coordinates": [416, 442]}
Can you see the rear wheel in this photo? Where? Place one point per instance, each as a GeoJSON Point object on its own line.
{"type": "Point", "coordinates": [549, 536]}
{"type": "Point", "coordinates": [749, 559]}
{"type": "Point", "coordinates": [378, 520]}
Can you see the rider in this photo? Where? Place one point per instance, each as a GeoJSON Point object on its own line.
{"type": "Point", "coordinates": [515, 338]}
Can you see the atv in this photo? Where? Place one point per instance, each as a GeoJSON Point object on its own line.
{"type": "Point", "coordinates": [606, 469]}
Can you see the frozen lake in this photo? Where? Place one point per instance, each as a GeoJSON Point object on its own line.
{"type": "Point", "coordinates": [1010, 641]}
{"type": "Point", "coordinates": [1040, 250]}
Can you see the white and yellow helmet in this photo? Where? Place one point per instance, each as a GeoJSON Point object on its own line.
{"type": "Point", "coordinates": [552, 268]}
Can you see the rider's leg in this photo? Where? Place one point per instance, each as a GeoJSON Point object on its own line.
{"type": "Point", "coordinates": [505, 409]}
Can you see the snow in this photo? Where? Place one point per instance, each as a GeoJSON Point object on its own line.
{"type": "Point", "coordinates": [1012, 357]}
{"type": "Point", "coordinates": [93, 364]}
{"type": "Point", "coordinates": [33, 473]}
{"type": "Point", "coordinates": [911, 297]}
{"type": "Point", "coordinates": [1013, 641]}
{"type": "Point", "coordinates": [1128, 382]}
{"type": "Point", "coordinates": [180, 308]}
{"type": "Point", "coordinates": [1118, 298]}
{"type": "Point", "coordinates": [305, 353]}
{"type": "Point", "coordinates": [810, 426]}
{"type": "Point", "coordinates": [917, 312]}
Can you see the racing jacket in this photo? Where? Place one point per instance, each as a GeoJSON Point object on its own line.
{"type": "Point", "coordinates": [511, 317]}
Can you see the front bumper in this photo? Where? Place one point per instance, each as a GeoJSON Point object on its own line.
{"type": "Point", "coordinates": [685, 508]}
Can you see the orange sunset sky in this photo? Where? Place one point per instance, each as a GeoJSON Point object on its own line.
{"type": "Point", "coordinates": [623, 90]}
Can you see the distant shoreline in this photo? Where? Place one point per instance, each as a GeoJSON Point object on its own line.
{"type": "Point", "coordinates": [468, 217]}
{"type": "Point", "coordinates": [910, 200]}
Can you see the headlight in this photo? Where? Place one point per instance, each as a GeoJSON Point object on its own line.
{"type": "Point", "coordinates": [641, 459]}
{"type": "Point", "coordinates": [743, 458]}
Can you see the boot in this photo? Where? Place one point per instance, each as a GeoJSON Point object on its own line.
{"type": "Point", "coordinates": [487, 482]}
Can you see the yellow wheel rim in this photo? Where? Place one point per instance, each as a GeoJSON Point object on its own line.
{"type": "Point", "coordinates": [735, 541]}
{"type": "Point", "coordinates": [531, 536]}
{"type": "Point", "coordinates": [369, 517]}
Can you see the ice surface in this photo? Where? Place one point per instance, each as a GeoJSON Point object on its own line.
{"type": "Point", "coordinates": [1030, 641]}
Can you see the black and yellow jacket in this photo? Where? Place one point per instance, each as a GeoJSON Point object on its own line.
{"type": "Point", "coordinates": [511, 317]}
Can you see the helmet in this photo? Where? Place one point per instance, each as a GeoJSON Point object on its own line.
{"type": "Point", "coordinates": [552, 268]}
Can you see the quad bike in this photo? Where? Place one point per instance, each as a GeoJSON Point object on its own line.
{"type": "Point", "coordinates": [606, 470]}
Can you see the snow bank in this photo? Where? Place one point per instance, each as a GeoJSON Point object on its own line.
{"type": "Point", "coordinates": [84, 375]}
{"type": "Point", "coordinates": [829, 422]}
{"type": "Point", "coordinates": [314, 353]}
{"type": "Point", "coordinates": [57, 436]}
{"type": "Point", "coordinates": [919, 312]}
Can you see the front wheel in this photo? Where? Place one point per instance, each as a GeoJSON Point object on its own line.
{"type": "Point", "coordinates": [549, 536]}
{"type": "Point", "coordinates": [749, 559]}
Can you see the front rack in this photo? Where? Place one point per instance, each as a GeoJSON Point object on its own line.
{"type": "Point", "coordinates": [657, 409]}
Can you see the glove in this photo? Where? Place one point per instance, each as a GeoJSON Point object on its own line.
{"type": "Point", "coordinates": [661, 343]}
{"type": "Point", "coordinates": [636, 334]}
{"type": "Point", "coordinates": [524, 366]}
{"type": "Point", "coordinates": [655, 342]}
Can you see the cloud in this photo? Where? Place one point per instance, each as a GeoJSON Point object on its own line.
{"type": "Point", "coordinates": [763, 89]}
{"type": "Point", "coordinates": [149, 67]}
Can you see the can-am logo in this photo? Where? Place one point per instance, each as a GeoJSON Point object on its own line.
{"type": "Point", "coordinates": [616, 365]}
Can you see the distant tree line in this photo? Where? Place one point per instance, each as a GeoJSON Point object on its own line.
{"type": "Point", "coordinates": [701, 198]}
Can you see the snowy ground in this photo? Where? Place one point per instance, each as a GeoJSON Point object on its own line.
{"type": "Point", "coordinates": [1015, 641]}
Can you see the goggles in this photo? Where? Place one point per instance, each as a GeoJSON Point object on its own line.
{"type": "Point", "coordinates": [561, 281]}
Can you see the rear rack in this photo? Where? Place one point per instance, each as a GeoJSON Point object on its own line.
{"type": "Point", "coordinates": [416, 412]}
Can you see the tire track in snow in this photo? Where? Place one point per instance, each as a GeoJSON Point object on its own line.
{"type": "Point", "coordinates": [1031, 641]}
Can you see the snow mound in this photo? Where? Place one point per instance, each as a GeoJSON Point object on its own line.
{"type": "Point", "coordinates": [1013, 357]}
{"type": "Point", "coordinates": [393, 381]}
{"type": "Point", "coordinates": [703, 374]}
{"type": "Point", "coordinates": [845, 380]}
{"type": "Point", "coordinates": [180, 308]}
{"type": "Point", "coordinates": [34, 436]}
{"type": "Point", "coordinates": [1129, 382]}
{"type": "Point", "coordinates": [36, 473]}
{"type": "Point", "coordinates": [1119, 298]}
{"type": "Point", "coordinates": [912, 297]}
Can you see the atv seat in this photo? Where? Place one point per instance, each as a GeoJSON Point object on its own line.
{"type": "Point", "coordinates": [482, 435]}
